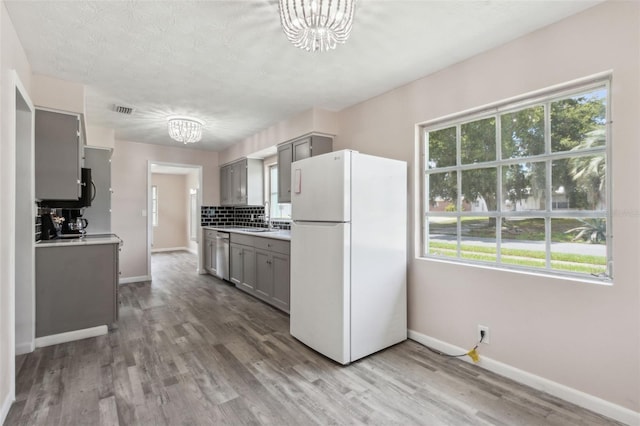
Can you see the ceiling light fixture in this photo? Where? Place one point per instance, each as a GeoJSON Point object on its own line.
{"type": "Point", "coordinates": [317, 24]}
{"type": "Point", "coordinates": [185, 129]}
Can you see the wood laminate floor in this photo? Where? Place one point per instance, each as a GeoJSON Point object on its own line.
{"type": "Point", "coordinates": [192, 350]}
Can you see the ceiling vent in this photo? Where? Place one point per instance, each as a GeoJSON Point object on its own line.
{"type": "Point", "coordinates": [123, 109]}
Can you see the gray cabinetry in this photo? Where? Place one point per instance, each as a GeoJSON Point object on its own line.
{"type": "Point", "coordinates": [57, 155]}
{"type": "Point", "coordinates": [98, 214]}
{"type": "Point", "coordinates": [242, 262]}
{"type": "Point", "coordinates": [260, 267]}
{"type": "Point", "coordinates": [76, 287]}
{"type": "Point", "coordinates": [225, 185]}
{"type": "Point", "coordinates": [285, 158]}
{"type": "Point", "coordinates": [210, 251]}
{"type": "Point", "coordinates": [297, 150]}
{"type": "Point", "coordinates": [241, 183]}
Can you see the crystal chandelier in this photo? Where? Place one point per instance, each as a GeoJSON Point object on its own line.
{"type": "Point", "coordinates": [185, 129]}
{"type": "Point", "coordinates": [317, 24]}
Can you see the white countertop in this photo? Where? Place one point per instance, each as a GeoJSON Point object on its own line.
{"type": "Point", "coordinates": [278, 234]}
{"type": "Point", "coordinates": [82, 241]}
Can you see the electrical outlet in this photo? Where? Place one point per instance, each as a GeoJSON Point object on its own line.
{"type": "Point", "coordinates": [485, 329]}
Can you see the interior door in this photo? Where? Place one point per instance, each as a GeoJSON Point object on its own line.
{"type": "Point", "coordinates": [320, 296]}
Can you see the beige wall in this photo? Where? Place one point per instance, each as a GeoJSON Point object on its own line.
{"type": "Point", "coordinates": [54, 93]}
{"type": "Point", "coordinates": [102, 137]}
{"type": "Point", "coordinates": [129, 165]}
{"type": "Point", "coordinates": [173, 208]}
{"type": "Point", "coordinates": [582, 335]}
{"type": "Point", "coordinates": [313, 120]}
{"type": "Point", "coordinates": [12, 57]}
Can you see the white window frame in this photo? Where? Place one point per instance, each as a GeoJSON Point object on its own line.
{"type": "Point", "coordinates": [540, 98]}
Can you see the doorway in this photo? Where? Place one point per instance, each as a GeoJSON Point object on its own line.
{"type": "Point", "coordinates": [174, 200]}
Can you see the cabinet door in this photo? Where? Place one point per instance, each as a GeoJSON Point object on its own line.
{"type": "Point", "coordinates": [225, 184]}
{"type": "Point", "coordinates": [235, 273]}
{"type": "Point", "coordinates": [212, 260]}
{"type": "Point", "coordinates": [207, 254]}
{"type": "Point", "coordinates": [57, 155]}
{"type": "Point", "coordinates": [239, 186]}
{"type": "Point", "coordinates": [281, 281]}
{"type": "Point", "coordinates": [248, 282]}
{"type": "Point", "coordinates": [264, 274]}
{"type": "Point", "coordinates": [302, 149]}
{"type": "Point", "coordinates": [285, 157]}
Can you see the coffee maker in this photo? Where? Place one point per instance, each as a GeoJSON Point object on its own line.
{"type": "Point", "coordinates": [74, 224]}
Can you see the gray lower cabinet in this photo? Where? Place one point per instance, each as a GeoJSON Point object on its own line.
{"type": "Point", "coordinates": [299, 149]}
{"type": "Point", "coordinates": [260, 267]}
{"type": "Point", "coordinates": [210, 251]}
{"type": "Point", "coordinates": [76, 287]}
{"type": "Point", "coordinates": [57, 155]}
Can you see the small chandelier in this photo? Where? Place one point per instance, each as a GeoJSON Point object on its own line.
{"type": "Point", "coordinates": [185, 129]}
{"type": "Point", "coordinates": [317, 24]}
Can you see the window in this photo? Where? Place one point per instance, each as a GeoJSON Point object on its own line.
{"type": "Point", "coordinates": [154, 205]}
{"type": "Point", "coordinates": [523, 186]}
{"type": "Point", "coordinates": [278, 211]}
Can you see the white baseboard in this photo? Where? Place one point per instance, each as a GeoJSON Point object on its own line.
{"type": "Point", "coordinates": [70, 336]}
{"type": "Point", "coordinates": [135, 279]}
{"type": "Point", "coordinates": [6, 405]}
{"type": "Point", "coordinates": [161, 250]}
{"type": "Point", "coordinates": [25, 348]}
{"type": "Point", "coordinates": [566, 393]}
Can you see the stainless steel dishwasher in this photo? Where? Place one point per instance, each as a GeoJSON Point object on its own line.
{"type": "Point", "coordinates": [222, 255]}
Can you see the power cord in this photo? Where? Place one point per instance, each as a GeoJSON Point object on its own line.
{"type": "Point", "coordinates": [473, 353]}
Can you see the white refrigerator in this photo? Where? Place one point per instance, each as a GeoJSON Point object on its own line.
{"type": "Point", "coordinates": [348, 254]}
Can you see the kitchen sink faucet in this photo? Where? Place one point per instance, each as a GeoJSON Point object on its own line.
{"type": "Point", "coordinates": [267, 215]}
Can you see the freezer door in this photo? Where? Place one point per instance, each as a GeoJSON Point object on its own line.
{"type": "Point", "coordinates": [320, 296]}
{"type": "Point", "coordinates": [320, 188]}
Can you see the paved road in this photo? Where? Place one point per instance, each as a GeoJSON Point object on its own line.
{"type": "Point", "coordinates": [574, 248]}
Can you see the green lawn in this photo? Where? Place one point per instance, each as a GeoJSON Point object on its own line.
{"type": "Point", "coordinates": [531, 258]}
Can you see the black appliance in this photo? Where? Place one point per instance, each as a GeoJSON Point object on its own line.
{"type": "Point", "coordinates": [70, 226]}
{"type": "Point", "coordinates": [47, 230]}
{"type": "Point", "coordinates": [88, 193]}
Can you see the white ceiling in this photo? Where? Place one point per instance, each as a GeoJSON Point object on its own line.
{"type": "Point", "coordinates": [229, 63]}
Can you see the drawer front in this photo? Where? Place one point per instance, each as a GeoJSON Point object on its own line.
{"type": "Point", "coordinates": [209, 234]}
{"type": "Point", "coordinates": [279, 246]}
{"type": "Point", "coordinates": [246, 240]}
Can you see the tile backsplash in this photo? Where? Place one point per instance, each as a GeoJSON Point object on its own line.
{"type": "Point", "coordinates": [249, 217]}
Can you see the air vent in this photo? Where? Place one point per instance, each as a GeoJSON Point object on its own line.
{"type": "Point", "coordinates": [123, 109]}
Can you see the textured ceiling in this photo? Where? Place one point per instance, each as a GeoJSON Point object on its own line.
{"type": "Point", "coordinates": [229, 64]}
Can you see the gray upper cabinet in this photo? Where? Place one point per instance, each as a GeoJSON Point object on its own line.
{"type": "Point", "coordinates": [241, 183]}
{"type": "Point", "coordinates": [99, 213]}
{"type": "Point", "coordinates": [285, 158]}
{"type": "Point", "coordinates": [57, 155]}
{"type": "Point", "coordinates": [299, 149]}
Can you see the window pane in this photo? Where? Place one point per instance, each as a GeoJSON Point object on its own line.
{"type": "Point", "coordinates": [478, 141]}
{"type": "Point", "coordinates": [573, 120]}
{"type": "Point", "coordinates": [523, 242]}
{"type": "Point", "coordinates": [579, 245]}
{"type": "Point", "coordinates": [441, 148]}
{"type": "Point", "coordinates": [479, 190]}
{"type": "Point", "coordinates": [523, 133]}
{"type": "Point", "coordinates": [443, 193]}
{"type": "Point", "coordinates": [443, 240]}
{"type": "Point", "coordinates": [579, 183]}
{"type": "Point", "coordinates": [478, 240]}
{"type": "Point", "coordinates": [523, 187]}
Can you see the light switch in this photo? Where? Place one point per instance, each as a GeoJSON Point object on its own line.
{"type": "Point", "coordinates": [144, 213]}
